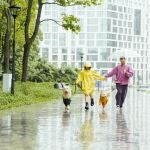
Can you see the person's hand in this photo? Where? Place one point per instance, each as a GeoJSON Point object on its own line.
{"type": "Point", "coordinates": [105, 79]}
{"type": "Point", "coordinates": [126, 74]}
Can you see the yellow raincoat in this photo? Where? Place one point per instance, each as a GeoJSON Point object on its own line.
{"type": "Point", "coordinates": [88, 77]}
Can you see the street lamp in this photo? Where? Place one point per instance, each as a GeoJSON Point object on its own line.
{"type": "Point", "coordinates": [81, 60]}
{"type": "Point", "coordinates": [14, 9]}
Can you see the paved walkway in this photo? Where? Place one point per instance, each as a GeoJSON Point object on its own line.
{"type": "Point", "coordinates": [46, 127]}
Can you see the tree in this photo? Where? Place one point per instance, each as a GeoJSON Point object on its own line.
{"type": "Point", "coordinates": [5, 36]}
{"type": "Point", "coordinates": [69, 22]}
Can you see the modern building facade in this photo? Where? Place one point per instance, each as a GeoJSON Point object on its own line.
{"type": "Point", "coordinates": [115, 25]}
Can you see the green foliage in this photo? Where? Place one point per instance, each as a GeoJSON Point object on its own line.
{"type": "Point", "coordinates": [44, 72]}
{"type": "Point", "coordinates": [70, 22]}
{"type": "Point", "coordinates": [78, 2]}
{"type": "Point", "coordinates": [29, 93]}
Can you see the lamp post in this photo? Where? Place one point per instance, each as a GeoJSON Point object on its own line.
{"type": "Point", "coordinates": [14, 9]}
{"type": "Point", "coordinates": [81, 54]}
{"type": "Point", "coordinates": [81, 60]}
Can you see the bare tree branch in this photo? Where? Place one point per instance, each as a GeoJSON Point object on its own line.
{"type": "Point", "coordinates": [47, 3]}
{"type": "Point", "coordinates": [57, 22]}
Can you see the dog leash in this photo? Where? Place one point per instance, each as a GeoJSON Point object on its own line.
{"type": "Point", "coordinates": [112, 89]}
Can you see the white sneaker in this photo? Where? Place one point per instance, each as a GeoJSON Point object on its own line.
{"type": "Point", "coordinates": [68, 109]}
{"type": "Point", "coordinates": [118, 107]}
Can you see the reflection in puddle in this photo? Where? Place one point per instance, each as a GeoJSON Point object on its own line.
{"type": "Point", "coordinates": [103, 116]}
{"type": "Point", "coordinates": [46, 127]}
{"type": "Point", "coordinates": [87, 130]}
{"type": "Point", "coordinates": [65, 119]}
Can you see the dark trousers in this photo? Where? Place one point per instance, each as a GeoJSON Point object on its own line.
{"type": "Point", "coordinates": [66, 101]}
{"type": "Point", "coordinates": [121, 94]}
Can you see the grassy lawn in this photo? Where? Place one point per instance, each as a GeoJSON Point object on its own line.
{"type": "Point", "coordinates": [29, 93]}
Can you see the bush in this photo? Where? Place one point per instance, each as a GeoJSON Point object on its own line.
{"type": "Point", "coordinates": [44, 72]}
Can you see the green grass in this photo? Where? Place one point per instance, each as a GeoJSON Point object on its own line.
{"type": "Point", "coordinates": [29, 93]}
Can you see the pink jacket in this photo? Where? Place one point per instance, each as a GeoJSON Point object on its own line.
{"type": "Point", "coordinates": [122, 73]}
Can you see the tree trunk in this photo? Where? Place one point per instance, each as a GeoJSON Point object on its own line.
{"type": "Point", "coordinates": [6, 46]}
{"type": "Point", "coordinates": [29, 40]}
{"type": "Point", "coordinates": [27, 47]}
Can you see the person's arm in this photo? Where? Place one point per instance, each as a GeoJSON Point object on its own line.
{"type": "Point", "coordinates": [97, 76]}
{"type": "Point", "coordinates": [112, 72]}
{"type": "Point", "coordinates": [80, 78]}
{"type": "Point", "coordinates": [130, 72]}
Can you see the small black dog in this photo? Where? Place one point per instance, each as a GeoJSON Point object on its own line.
{"type": "Point", "coordinates": [67, 97]}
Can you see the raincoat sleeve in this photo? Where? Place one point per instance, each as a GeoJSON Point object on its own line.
{"type": "Point", "coordinates": [97, 76]}
{"type": "Point", "coordinates": [80, 78]}
{"type": "Point", "coordinates": [112, 72]}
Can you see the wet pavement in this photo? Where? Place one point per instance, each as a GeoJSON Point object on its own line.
{"type": "Point", "coordinates": [46, 127]}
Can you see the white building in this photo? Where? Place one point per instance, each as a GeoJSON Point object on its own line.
{"type": "Point", "coordinates": [116, 24]}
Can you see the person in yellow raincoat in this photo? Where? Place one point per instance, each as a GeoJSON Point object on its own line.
{"type": "Point", "coordinates": [87, 77]}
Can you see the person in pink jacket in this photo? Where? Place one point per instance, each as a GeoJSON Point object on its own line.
{"type": "Point", "coordinates": [123, 73]}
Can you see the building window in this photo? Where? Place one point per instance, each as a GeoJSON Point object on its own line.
{"type": "Point", "coordinates": [45, 53]}
{"type": "Point", "coordinates": [92, 50]}
{"type": "Point", "coordinates": [111, 36]}
{"type": "Point", "coordinates": [112, 43]}
{"type": "Point", "coordinates": [120, 30]}
{"type": "Point", "coordinates": [54, 43]}
{"type": "Point", "coordinates": [92, 29]}
{"type": "Point", "coordinates": [114, 22]}
{"type": "Point", "coordinates": [115, 29]}
{"type": "Point", "coordinates": [81, 36]}
{"type": "Point", "coordinates": [45, 27]}
{"type": "Point", "coordinates": [121, 16]}
{"type": "Point", "coordinates": [62, 39]}
{"type": "Point", "coordinates": [92, 21]}
{"type": "Point", "coordinates": [64, 50]}
{"type": "Point", "coordinates": [72, 57]}
{"type": "Point", "coordinates": [112, 7]}
{"type": "Point", "coordinates": [54, 36]}
{"type": "Point", "coordinates": [101, 43]}
{"type": "Point", "coordinates": [81, 42]}
{"type": "Point", "coordinates": [101, 36]}
{"type": "Point", "coordinates": [54, 57]}
{"type": "Point", "coordinates": [79, 53]}
{"type": "Point", "coordinates": [64, 57]}
{"type": "Point", "coordinates": [120, 37]}
{"type": "Point", "coordinates": [92, 57]}
{"type": "Point", "coordinates": [47, 36]}
{"type": "Point", "coordinates": [121, 44]}
{"type": "Point", "coordinates": [112, 14]}
{"type": "Point", "coordinates": [129, 24]}
{"type": "Point", "coordinates": [108, 25]}
{"type": "Point", "coordinates": [54, 50]}
{"type": "Point", "coordinates": [119, 23]}
{"type": "Point", "coordinates": [91, 35]}
{"type": "Point", "coordinates": [137, 22]}
{"type": "Point", "coordinates": [120, 9]}
{"type": "Point", "coordinates": [47, 42]}
{"type": "Point", "coordinates": [90, 43]}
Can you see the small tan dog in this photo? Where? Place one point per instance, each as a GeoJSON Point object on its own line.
{"type": "Point", "coordinates": [103, 100]}
{"type": "Point", "coordinates": [67, 97]}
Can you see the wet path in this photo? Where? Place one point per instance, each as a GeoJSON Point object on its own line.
{"type": "Point", "coordinates": [46, 127]}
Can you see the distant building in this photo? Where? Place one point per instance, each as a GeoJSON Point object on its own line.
{"type": "Point", "coordinates": [116, 24]}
